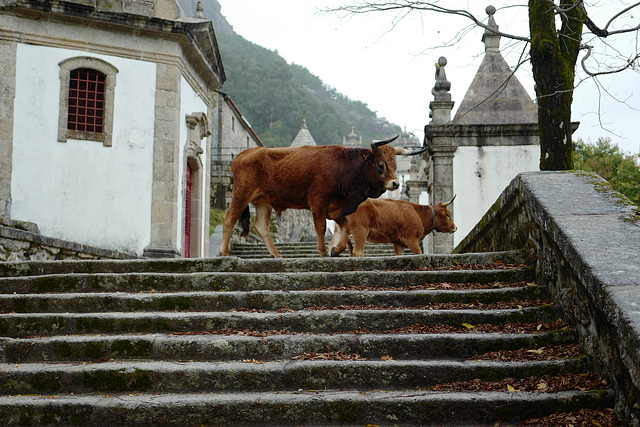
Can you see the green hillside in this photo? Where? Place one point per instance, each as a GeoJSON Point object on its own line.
{"type": "Point", "coordinates": [273, 94]}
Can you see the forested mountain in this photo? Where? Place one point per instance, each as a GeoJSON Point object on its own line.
{"type": "Point", "coordinates": [273, 94]}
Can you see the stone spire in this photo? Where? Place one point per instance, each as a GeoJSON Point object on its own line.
{"type": "Point", "coordinates": [304, 136]}
{"type": "Point", "coordinates": [495, 96]}
{"type": "Point", "coordinates": [352, 140]}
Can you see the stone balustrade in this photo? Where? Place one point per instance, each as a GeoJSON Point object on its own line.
{"type": "Point", "coordinates": [585, 240]}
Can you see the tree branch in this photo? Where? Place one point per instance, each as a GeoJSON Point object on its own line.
{"type": "Point", "coordinates": [604, 32]}
{"type": "Point", "coordinates": [630, 64]}
{"type": "Point", "coordinates": [367, 7]}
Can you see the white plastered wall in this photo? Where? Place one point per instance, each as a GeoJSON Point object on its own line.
{"type": "Point", "coordinates": [80, 190]}
{"type": "Point", "coordinates": [190, 102]}
{"type": "Point", "coordinates": [480, 176]}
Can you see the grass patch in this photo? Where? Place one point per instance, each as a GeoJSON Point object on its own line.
{"type": "Point", "coordinates": [215, 218]}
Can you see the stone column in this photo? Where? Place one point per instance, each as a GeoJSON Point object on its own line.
{"type": "Point", "coordinates": [441, 161]}
{"type": "Point", "coordinates": [164, 205]}
{"type": "Point", "coordinates": [7, 96]}
{"type": "Point", "coordinates": [442, 191]}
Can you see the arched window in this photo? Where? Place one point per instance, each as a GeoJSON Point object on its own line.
{"type": "Point", "coordinates": [86, 100]}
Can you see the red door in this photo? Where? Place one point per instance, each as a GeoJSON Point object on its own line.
{"type": "Point", "coordinates": [187, 215]}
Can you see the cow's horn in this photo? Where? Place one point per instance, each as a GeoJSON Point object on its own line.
{"type": "Point", "coordinates": [386, 141]}
{"type": "Point", "coordinates": [403, 152]}
{"type": "Point", "coordinates": [450, 201]}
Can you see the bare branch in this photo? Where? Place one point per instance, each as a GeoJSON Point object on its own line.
{"type": "Point", "coordinates": [604, 32]}
{"type": "Point", "coordinates": [415, 5]}
{"type": "Point", "coordinates": [630, 64]}
{"type": "Point", "coordinates": [617, 15]}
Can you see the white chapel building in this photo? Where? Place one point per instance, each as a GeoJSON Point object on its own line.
{"type": "Point", "coordinates": [106, 122]}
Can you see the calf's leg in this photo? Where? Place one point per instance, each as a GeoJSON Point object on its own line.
{"type": "Point", "coordinates": [414, 246]}
{"type": "Point", "coordinates": [359, 240]}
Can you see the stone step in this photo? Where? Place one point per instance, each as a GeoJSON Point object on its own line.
{"type": "Point", "coordinates": [234, 264]}
{"type": "Point", "coordinates": [220, 346]}
{"type": "Point", "coordinates": [316, 321]}
{"type": "Point", "coordinates": [227, 341]}
{"type": "Point", "coordinates": [305, 252]}
{"type": "Point", "coordinates": [278, 408]}
{"type": "Point", "coordinates": [239, 281]}
{"type": "Point", "coordinates": [250, 300]}
{"type": "Point", "coordinates": [254, 375]}
{"type": "Point", "coordinates": [303, 249]}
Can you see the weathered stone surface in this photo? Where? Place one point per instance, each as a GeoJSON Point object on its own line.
{"type": "Point", "coordinates": [585, 238]}
{"type": "Point", "coordinates": [218, 341]}
{"type": "Point", "coordinates": [26, 244]}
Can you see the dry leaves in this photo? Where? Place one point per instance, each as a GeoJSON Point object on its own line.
{"type": "Point", "coordinates": [582, 418]}
{"type": "Point", "coordinates": [429, 286]}
{"type": "Point", "coordinates": [510, 328]}
{"type": "Point", "coordinates": [476, 305]}
{"type": "Point", "coordinates": [533, 353]}
{"type": "Point", "coordinates": [543, 383]}
{"type": "Point", "coordinates": [337, 355]}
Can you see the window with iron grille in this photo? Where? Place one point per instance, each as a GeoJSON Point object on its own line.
{"type": "Point", "coordinates": [87, 96]}
{"type": "Point", "coordinates": [86, 100]}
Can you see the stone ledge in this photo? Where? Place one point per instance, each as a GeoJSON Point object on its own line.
{"type": "Point", "coordinates": [585, 240]}
{"type": "Point", "coordinates": [22, 245]}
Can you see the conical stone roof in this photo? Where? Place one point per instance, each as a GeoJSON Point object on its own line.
{"type": "Point", "coordinates": [304, 136]}
{"type": "Point", "coordinates": [495, 96]}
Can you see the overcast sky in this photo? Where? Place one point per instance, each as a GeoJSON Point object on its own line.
{"type": "Point", "coordinates": [389, 64]}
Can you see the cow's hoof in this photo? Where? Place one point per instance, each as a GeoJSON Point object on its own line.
{"type": "Point", "coordinates": [333, 252]}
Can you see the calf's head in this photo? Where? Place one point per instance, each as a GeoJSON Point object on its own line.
{"type": "Point", "coordinates": [442, 221]}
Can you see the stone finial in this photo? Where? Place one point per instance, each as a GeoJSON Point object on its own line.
{"type": "Point", "coordinates": [490, 38]}
{"type": "Point", "coordinates": [304, 120]}
{"type": "Point", "coordinates": [442, 104]}
{"type": "Point", "coordinates": [441, 89]}
{"type": "Point", "coordinates": [200, 10]}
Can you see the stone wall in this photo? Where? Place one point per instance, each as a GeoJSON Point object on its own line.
{"type": "Point", "coordinates": [584, 239]}
{"type": "Point", "coordinates": [21, 241]}
{"type": "Point", "coordinates": [293, 225]}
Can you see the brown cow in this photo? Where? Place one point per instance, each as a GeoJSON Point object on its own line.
{"type": "Point", "coordinates": [330, 181]}
{"type": "Point", "coordinates": [400, 222]}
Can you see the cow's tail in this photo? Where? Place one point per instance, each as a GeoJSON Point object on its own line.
{"type": "Point", "coordinates": [244, 222]}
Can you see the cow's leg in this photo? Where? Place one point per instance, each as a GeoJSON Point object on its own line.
{"type": "Point", "coordinates": [399, 250]}
{"type": "Point", "coordinates": [339, 241]}
{"type": "Point", "coordinates": [320, 223]}
{"type": "Point", "coordinates": [263, 218]}
{"type": "Point", "coordinates": [231, 216]}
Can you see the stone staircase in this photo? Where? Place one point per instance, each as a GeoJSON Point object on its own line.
{"type": "Point", "coordinates": [302, 250]}
{"type": "Point", "coordinates": [387, 341]}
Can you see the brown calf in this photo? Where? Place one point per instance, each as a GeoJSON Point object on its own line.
{"type": "Point", "coordinates": [400, 222]}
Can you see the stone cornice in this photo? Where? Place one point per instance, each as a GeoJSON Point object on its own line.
{"type": "Point", "coordinates": [457, 131]}
{"type": "Point", "coordinates": [196, 38]}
